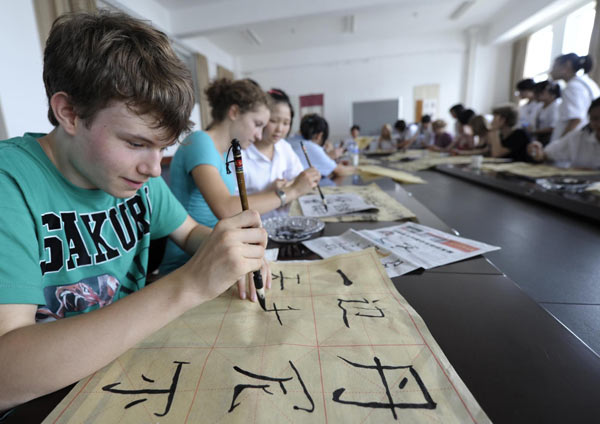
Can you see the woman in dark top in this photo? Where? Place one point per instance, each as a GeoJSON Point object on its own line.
{"type": "Point", "coordinates": [505, 140]}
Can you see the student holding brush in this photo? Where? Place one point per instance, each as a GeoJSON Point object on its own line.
{"type": "Point", "coordinates": [239, 109]}
{"type": "Point", "coordinates": [81, 204]}
{"type": "Point", "coordinates": [270, 163]}
{"type": "Point", "coordinates": [313, 133]}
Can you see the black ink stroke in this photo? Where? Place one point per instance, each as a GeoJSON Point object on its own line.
{"type": "Point", "coordinates": [390, 404]}
{"type": "Point", "coordinates": [347, 281]}
{"type": "Point", "coordinates": [170, 391]}
{"type": "Point", "coordinates": [365, 301]}
{"type": "Point", "coordinates": [238, 389]}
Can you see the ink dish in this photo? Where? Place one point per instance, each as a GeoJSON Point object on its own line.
{"type": "Point", "coordinates": [291, 229]}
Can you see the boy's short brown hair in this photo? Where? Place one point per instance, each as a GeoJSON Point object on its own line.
{"type": "Point", "coordinates": [509, 113]}
{"type": "Point", "coordinates": [106, 56]}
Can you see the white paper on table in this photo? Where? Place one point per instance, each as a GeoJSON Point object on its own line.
{"type": "Point", "coordinates": [425, 246]}
{"type": "Point", "coordinates": [352, 241]}
{"type": "Point", "coordinates": [271, 254]}
{"type": "Point", "coordinates": [337, 204]}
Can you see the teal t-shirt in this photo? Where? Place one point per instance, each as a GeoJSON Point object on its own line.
{"type": "Point", "coordinates": [72, 250]}
{"type": "Point", "coordinates": [197, 149]}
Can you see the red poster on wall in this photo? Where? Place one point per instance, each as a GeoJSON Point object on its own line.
{"type": "Point", "coordinates": [311, 103]}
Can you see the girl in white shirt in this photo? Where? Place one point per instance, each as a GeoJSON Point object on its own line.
{"type": "Point", "coordinates": [578, 94]}
{"type": "Point", "coordinates": [578, 149]}
{"type": "Point", "coordinates": [548, 94]}
{"type": "Point", "coordinates": [271, 163]}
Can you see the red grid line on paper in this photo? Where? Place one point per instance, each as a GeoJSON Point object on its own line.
{"type": "Point", "coordinates": [124, 371]}
{"type": "Point", "coordinates": [402, 375]}
{"type": "Point", "coordinates": [317, 340]}
{"type": "Point", "coordinates": [74, 397]}
{"type": "Point", "coordinates": [314, 346]}
{"type": "Point", "coordinates": [430, 350]}
{"type": "Point", "coordinates": [262, 360]}
{"type": "Point", "coordinates": [208, 356]}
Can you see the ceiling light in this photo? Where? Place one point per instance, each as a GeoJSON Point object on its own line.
{"type": "Point", "coordinates": [253, 36]}
{"type": "Point", "coordinates": [350, 24]}
{"type": "Point", "coordinates": [461, 9]}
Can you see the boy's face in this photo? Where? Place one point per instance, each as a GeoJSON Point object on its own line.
{"type": "Point", "coordinates": [355, 132]}
{"type": "Point", "coordinates": [118, 153]}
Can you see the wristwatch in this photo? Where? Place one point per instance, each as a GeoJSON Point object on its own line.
{"type": "Point", "coordinates": [281, 194]}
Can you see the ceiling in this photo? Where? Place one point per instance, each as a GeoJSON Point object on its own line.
{"type": "Point", "coordinates": [245, 27]}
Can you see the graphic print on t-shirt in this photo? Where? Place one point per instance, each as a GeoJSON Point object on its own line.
{"type": "Point", "coordinates": [78, 297]}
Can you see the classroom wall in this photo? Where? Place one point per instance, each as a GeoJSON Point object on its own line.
{"type": "Point", "coordinates": [368, 71]}
{"type": "Point", "coordinates": [160, 18]}
{"type": "Point", "coordinates": [22, 95]}
{"type": "Point", "coordinates": [491, 76]}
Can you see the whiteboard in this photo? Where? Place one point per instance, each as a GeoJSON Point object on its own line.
{"type": "Point", "coordinates": [373, 114]}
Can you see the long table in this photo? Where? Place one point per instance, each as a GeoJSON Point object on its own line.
{"type": "Point", "coordinates": [580, 203]}
{"type": "Point", "coordinates": [521, 364]}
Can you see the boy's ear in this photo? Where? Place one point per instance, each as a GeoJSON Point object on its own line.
{"type": "Point", "coordinates": [64, 112]}
{"type": "Point", "coordinates": [234, 112]}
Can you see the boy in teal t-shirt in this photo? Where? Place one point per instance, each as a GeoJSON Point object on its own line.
{"type": "Point", "coordinates": [80, 205]}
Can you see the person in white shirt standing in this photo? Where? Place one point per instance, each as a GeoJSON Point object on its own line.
{"type": "Point", "coordinates": [548, 94]}
{"type": "Point", "coordinates": [271, 163]}
{"type": "Point", "coordinates": [578, 149]}
{"type": "Point", "coordinates": [577, 95]}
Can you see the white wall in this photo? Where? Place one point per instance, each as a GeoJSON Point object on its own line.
{"type": "Point", "coordinates": [143, 9]}
{"type": "Point", "coordinates": [214, 55]}
{"type": "Point", "coordinates": [22, 95]}
{"type": "Point", "coordinates": [369, 71]}
{"type": "Point", "coordinates": [490, 79]}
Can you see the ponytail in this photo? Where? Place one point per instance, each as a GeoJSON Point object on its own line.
{"type": "Point", "coordinates": [586, 63]}
{"type": "Point", "coordinates": [577, 62]}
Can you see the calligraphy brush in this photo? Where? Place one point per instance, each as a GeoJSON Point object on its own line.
{"type": "Point", "coordinates": [239, 174]}
{"type": "Point", "coordinates": [310, 165]}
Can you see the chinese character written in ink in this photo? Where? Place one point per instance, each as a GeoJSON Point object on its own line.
{"type": "Point", "coordinates": [356, 304]}
{"type": "Point", "coordinates": [237, 390]}
{"type": "Point", "coordinates": [170, 391]}
{"type": "Point", "coordinates": [276, 310]}
{"type": "Point", "coordinates": [346, 280]}
{"type": "Point", "coordinates": [428, 401]}
{"type": "Point", "coordinates": [282, 278]}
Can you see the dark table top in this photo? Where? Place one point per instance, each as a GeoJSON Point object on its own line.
{"type": "Point", "coordinates": [562, 192]}
{"type": "Point", "coordinates": [520, 363]}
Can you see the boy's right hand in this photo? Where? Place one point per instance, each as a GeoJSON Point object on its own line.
{"type": "Point", "coordinates": [235, 247]}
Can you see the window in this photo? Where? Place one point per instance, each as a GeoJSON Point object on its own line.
{"type": "Point", "coordinates": [539, 54]}
{"type": "Point", "coordinates": [578, 30]}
